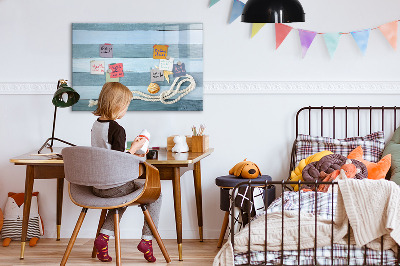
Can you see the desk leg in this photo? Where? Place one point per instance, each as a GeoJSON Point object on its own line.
{"type": "Point", "coordinates": [60, 190]}
{"type": "Point", "coordinates": [27, 206]}
{"type": "Point", "coordinates": [199, 204]}
{"type": "Point", "coordinates": [176, 182]}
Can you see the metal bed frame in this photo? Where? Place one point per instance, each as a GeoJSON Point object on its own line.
{"type": "Point", "coordinates": [284, 184]}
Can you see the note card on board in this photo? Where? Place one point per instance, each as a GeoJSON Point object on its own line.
{"type": "Point", "coordinates": [160, 51]}
{"type": "Point", "coordinates": [109, 79]}
{"type": "Point", "coordinates": [179, 70]}
{"type": "Point", "coordinates": [166, 64]}
{"type": "Point", "coordinates": [157, 75]}
{"type": "Point", "coordinates": [97, 67]}
{"type": "Point", "coordinates": [106, 50]}
{"type": "Point", "coordinates": [117, 70]}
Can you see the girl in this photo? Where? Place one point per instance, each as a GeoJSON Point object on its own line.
{"type": "Point", "coordinates": [113, 103]}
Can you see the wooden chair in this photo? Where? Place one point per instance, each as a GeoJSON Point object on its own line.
{"type": "Point", "coordinates": [85, 167]}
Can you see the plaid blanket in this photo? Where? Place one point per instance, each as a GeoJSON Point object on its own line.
{"type": "Point", "coordinates": [323, 205]}
{"type": "Point", "coordinates": [324, 257]}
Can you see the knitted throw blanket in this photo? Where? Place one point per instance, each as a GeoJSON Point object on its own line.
{"type": "Point", "coordinates": [371, 206]}
{"type": "Point", "coordinates": [373, 209]}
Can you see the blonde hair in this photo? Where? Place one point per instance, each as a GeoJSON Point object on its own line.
{"type": "Point", "coordinates": [113, 98]}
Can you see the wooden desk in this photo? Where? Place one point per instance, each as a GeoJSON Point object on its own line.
{"type": "Point", "coordinates": [169, 165]}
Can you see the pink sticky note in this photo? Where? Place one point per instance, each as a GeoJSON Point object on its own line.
{"type": "Point", "coordinates": [117, 70]}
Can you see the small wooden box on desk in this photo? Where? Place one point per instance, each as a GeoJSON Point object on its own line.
{"type": "Point", "coordinates": [200, 143]}
{"type": "Point", "coordinates": [195, 143]}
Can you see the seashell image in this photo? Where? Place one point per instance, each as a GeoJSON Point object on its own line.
{"type": "Point", "coordinates": [153, 88]}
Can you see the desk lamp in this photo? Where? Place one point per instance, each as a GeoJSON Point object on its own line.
{"type": "Point", "coordinates": [273, 11]}
{"type": "Point", "coordinates": [64, 96]}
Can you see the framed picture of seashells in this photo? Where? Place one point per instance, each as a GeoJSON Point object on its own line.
{"type": "Point", "coordinates": [161, 63]}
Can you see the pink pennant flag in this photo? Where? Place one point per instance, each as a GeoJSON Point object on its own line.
{"type": "Point", "coordinates": [281, 31]}
{"type": "Point", "coordinates": [389, 30]}
{"type": "Point", "coordinates": [306, 39]}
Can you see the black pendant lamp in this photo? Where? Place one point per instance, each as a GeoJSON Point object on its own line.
{"type": "Point", "coordinates": [273, 11]}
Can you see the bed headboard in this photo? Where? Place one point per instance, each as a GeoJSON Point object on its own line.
{"type": "Point", "coordinates": [344, 121]}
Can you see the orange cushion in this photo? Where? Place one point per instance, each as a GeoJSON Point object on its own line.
{"type": "Point", "coordinates": [375, 170]}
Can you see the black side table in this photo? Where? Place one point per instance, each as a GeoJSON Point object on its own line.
{"type": "Point", "coordinates": [226, 183]}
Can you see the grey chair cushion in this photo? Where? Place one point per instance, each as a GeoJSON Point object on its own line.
{"type": "Point", "coordinates": [99, 167]}
{"type": "Point", "coordinates": [83, 196]}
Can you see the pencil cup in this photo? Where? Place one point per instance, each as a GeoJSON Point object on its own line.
{"type": "Point", "coordinates": [200, 143]}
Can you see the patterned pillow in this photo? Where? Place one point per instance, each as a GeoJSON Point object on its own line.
{"type": "Point", "coordinates": [372, 144]}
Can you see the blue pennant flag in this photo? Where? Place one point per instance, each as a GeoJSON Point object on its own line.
{"type": "Point", "coordinates": [361, 38]}
{"type": "Point", "coordinates": [213, 2]}
{"type": "Point", "coordinates": [332, 41]}
{"type": "Point", "coordinates": [237, 9]}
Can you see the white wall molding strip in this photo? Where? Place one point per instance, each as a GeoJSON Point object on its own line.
{"type": "Point", "coordinates": [303, 87]}
{"type": "Point", "coordinates": [28, 88]}
{"type": "Point", "coordinates": [243, 87]}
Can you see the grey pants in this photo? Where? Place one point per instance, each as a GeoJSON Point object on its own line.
{"type": "Point", "coordinates": [153, 208]}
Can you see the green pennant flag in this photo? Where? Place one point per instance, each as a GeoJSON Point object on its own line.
{"type": "Point", "coordinates": [332, 41]}
{"type": "Point", "coordinates": [213, 2]}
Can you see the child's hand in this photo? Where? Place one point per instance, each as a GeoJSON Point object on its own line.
{"type": "Point", "coordinates": [137, 144]}
{"type": "Point", "coordinates": [143, 155]}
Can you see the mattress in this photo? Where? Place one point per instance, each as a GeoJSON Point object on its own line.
{"type": "Point", "coordinates": [322, 204]}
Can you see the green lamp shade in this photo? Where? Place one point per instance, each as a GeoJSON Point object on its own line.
{"type": "Point", "coordinates": [65, 96]}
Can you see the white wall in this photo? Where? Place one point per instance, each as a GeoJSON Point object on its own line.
{"type": "Point", "coordinates": [35, 47]}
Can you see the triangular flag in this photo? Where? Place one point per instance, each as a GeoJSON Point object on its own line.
{"type": "Point", "coordinates": [306, 39]}
{"type": "Point", "coordinates": [390, 32]}
{"type": "Point", "coordinates": [256, 28]}
{"type": "Point", "coordinates": [332, 41]}
{"type": "Point", "coordinates": [361, 37]}
{"type": "Point", "coordinates": [213, 2]}
{"type": "Point", "coordinates": [281, 31]}
{"type": "Point", "coordinates": [237, 9]}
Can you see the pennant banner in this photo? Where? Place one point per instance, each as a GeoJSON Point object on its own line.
{"type": "Point", "coordinates": [213, 2]}
{"type": "Point", "coordinates": [389, 30]}
{"type": "Point", "coordinates": [361, 38]}
{"type": "Point", "coordinates": [332, 41]}
{"type": "Point", "coordinates": [281, 31]}
{"type": "Point", "coordinates": [256, 28]}
{"type": "Point", "coordinates": [306, 39]}
{"type": "Point", "coordinates": [237, 9]}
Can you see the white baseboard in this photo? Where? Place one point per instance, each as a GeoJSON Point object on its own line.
{"type": "Point", "coordinates": [244, 87]}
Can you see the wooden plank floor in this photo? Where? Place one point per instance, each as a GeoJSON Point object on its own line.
{"type": "Point", "coordinates": [50, 252]}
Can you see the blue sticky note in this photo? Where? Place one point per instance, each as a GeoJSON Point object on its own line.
{"type": "Point", "coordinates": [179, 70]}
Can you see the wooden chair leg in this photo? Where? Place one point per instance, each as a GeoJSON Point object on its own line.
{"type": "Point", "coordinates": [101, 222]}
{"type": "Point", "coordinates": [117, 238]}
{"type": "Point", "coordinates": [223, 229]}
{"type": "Point", "coordinates": [73, 237]}
{"type": "Point", "coordinates": [154, 230]}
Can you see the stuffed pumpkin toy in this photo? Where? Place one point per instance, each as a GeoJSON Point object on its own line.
{"type": "Point", "coordinates": [245, 169]}
{"type": "Point", "coordinates": [13, 215]}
